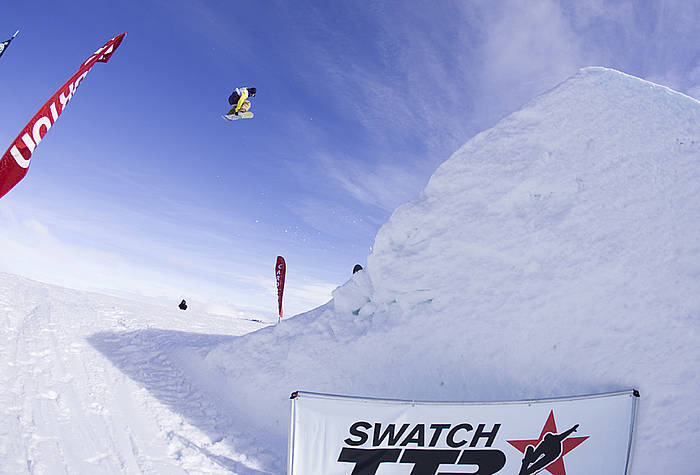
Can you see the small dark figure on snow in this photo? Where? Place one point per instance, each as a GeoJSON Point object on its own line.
{"type": "Point", "coordinates": [357, 268]}
{"type": "Point", "coordinates": [183, 305]}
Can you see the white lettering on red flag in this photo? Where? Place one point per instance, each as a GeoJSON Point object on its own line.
{"type": "Point", "coordinates": [15, 161]}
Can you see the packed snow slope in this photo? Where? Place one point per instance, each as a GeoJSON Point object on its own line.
{"type": "Point", "coordinates": [555, 254]}
{"type": "Point", "coordinates": [91, 384]}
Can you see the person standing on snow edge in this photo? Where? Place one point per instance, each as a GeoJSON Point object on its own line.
{"type": "Point", "coordinates": [239, 99]}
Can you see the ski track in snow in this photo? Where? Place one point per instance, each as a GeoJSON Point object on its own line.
{"type": "Point", "coordinates": [86, 386]}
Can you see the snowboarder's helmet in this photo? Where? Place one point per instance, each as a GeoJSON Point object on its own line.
{"type": "Point", "coordinates": [251, 91]}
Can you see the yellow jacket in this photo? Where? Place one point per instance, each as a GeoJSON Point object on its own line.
{"type": "Point", "coordinates": [244, 96]}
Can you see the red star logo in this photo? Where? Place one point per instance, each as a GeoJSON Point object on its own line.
{"type": "Point", "coordinates": [568, 444]}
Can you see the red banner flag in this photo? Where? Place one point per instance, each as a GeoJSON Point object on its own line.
{"type": "Point", "coordinates": [280, 271]}
{"type": "Point", "coordinates": [15, 161]}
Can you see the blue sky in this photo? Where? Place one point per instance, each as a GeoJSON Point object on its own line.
{"type": "Point", "coordinates": [142, 189]}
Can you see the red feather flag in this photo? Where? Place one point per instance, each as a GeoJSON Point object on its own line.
{"type": "Point", "coordinates": [280, 271]}
{"type": "Point", "coordinates": [15, 162]}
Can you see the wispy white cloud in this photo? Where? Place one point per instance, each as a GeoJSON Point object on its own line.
{"type": "Point", "coordinates": [396, 79]}
{"type": "Point", "coordinates": [415, 100]}
{"type": "Point", "coordinates": [529, 47]}
{"type": "Point", "coordinates": [384, 185]}
{"type": "Point", "coordinates": [334, 219]}
{"type": "Point", "coordinates": [63, 253]}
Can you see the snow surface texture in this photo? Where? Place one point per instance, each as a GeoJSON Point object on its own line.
{"type": "Point", "coordinates": [91, 384]}
{"type": "Point", "coordinates": [555, 254]}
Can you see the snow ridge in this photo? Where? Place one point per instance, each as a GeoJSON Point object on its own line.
{"type": "Point", "coordinates": [554, 254]}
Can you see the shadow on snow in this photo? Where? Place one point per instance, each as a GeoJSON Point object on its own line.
{"type": "Point", "coordinates": [169, 364]}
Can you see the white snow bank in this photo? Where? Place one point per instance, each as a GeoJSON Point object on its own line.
{"type": "Point", "coordinates": [554, 254]}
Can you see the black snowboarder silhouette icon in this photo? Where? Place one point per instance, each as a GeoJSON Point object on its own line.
{"type": "Point", "coordinates": [546, 452]}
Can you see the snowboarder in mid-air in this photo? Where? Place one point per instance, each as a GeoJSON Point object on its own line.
{"type": "Point", "coordinates": [546, 452]}
{"type": "Point", "coordinates": [241, 105]}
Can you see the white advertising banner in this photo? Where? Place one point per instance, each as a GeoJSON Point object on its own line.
{"type": "Point", "coordinates": [339, 435]}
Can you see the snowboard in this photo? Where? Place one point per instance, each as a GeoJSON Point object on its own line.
{"type": "Point", "coordinates": [242, 115]}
